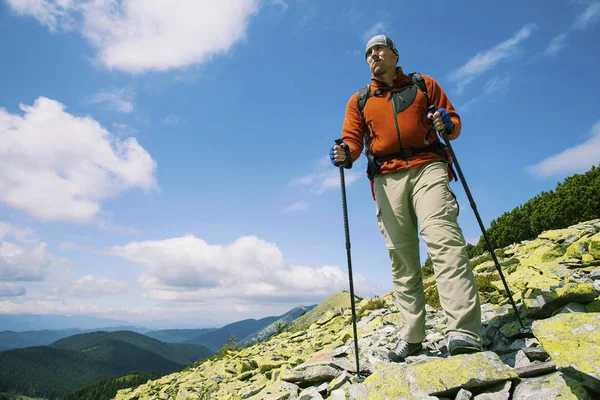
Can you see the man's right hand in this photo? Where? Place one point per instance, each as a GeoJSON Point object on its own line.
{"type": "Point", "coordinates": [338, 154]}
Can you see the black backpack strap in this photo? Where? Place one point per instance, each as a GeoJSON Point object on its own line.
{"type": "Point", "coordinates": [363, 96]}
{"type": "Point", "coordinates": [418, 80]}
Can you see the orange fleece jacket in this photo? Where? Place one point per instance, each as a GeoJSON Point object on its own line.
{"type": "Point", "coordinates": [380, 122]}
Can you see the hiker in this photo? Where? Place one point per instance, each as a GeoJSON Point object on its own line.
{"type": "Point", "coordinates": [410, 170]}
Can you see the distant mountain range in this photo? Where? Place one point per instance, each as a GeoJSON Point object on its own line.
{"type": "Point", "coordinates": [178, 335]}
{"type": "Point", "coordinates": [249, 330]}
{"type": "Point", "coordinates": [56, 362]}
{"type": "Point", "coordinates": [16, 340]}
{"type": "Point", "coordinates": [38, 322]}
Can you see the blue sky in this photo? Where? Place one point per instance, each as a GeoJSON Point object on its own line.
{"type": "Point", "coordinates": [166, 162]}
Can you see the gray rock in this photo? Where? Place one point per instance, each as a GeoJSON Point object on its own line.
{"type": "Point", "coordinates": [521, 360]}
{"type": "Point", "coordinates": [312, 374]}
{"type": "Point", "coordinates": [310, 393]}
{"type": "Point", "coordinates": [570, 308]}
{"type": "Point", "coordinates": [552, 386]}
{"type": "Point", "coordinates": [500, 391]}
{"type": "Point", "coordinates": [463, 394]}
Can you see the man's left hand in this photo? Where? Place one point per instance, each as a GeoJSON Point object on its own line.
{"type": "Point", "coordinates": [441, 121]}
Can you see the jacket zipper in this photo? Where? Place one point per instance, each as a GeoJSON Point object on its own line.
{"type": "Point", "coordinates": [397, 126]}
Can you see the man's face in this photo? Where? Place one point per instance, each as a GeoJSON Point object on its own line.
{"type": "Point", "coordinates": [381, 60]}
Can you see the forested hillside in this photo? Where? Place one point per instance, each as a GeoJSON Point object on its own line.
{"type": "Point", "coordinates": [575, 199]}
{"type": "Point", "coordinates": [78, 361]}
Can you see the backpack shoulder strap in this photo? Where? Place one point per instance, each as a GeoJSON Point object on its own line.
{"type": "Point", "coordinates": [418, 80]}
{"type": "Point", "coordinates": [363, 96]}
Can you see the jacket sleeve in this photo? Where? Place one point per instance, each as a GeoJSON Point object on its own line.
{"type": "Point", "coordinates": [354, 127]}
{"type": "Point", "coordinates": [439, 98]}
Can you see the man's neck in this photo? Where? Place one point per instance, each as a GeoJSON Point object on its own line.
{"type": "Point", "coordinates": [387, 77]}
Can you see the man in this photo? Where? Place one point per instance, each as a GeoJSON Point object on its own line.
{"type": "Point", "coordinates": [409, 176]}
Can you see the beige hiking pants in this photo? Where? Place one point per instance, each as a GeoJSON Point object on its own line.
{"type": "Point", "coordinates": [421, 198]}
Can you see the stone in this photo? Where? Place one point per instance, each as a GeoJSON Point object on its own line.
{"type": "Point", "coordinates": [552, 386]}
{"type": "Point", "coordinates": [438, 377]}
{"type": "Point", "coordinates": [570, 308]}
{"type": "Point", "coordinates": [500, 391]}
{"type": "Point", "coordinates": [573, 342]}
{"type": "Point", "coordinates": [463, 395]}
{"type": "Point", "coordinates": [310, 393]}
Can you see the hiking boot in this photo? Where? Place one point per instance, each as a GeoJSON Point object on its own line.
{"type": "Point", "coordinates": [462, 344]}
{"type": "Point", "coordinates": [402, 350]}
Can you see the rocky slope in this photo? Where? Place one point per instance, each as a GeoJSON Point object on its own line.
{"type": "Point", "coordinates": [555, 281]}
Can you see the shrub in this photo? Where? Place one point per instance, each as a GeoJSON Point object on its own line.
{"type": "Point", "coordinates": [372, 304]}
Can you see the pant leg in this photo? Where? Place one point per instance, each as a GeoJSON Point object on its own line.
{"type": "Point", "coordinates": [437, 212]}
{"type": "Point", "coordinates": [398, 223]}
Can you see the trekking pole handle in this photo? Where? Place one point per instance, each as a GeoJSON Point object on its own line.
{"type": "Point", "coordinates": [433, 109]}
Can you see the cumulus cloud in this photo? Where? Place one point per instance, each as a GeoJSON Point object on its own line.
{"type": "Point", "coordinates": [57, 166]}
{"type": "Point", "coordinates": [576, 159]}
{"type": "Point", "coordinates": [487, 59]}
{"type": "Point", "coordinates": [22, 259]}
{"type": "Point", "coordinates": [138, 35]}
{"type": "Point", "coordinates": [189, 269]}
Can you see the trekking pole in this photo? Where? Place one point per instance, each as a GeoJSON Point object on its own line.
{"type": "Point", "coordinates": [358, 378]}
{"type": "Point", "coordinates": [432, 109]}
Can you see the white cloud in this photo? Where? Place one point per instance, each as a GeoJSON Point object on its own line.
{"type": "Point", "coordinates": [492, 87]}
{"type": "Point", "coordinates": [11, 290]}
{"type": "Point", "coordinates": [49, 13]}
{"type": "Point", "coordinates": [375, 29]}
{"type": "Point", "coordinates": [487, 59]}
{"type": "Point", "coordinates": [139, 35]}
{"type": "Point", "coordinates": [92, 286]}
{"type": "Point", "coordinates": [22, 260]}
{"type": "Point", "coordinates": [189, 269]}
{"type": "Point", "coordinates": [320, 182]}
{"type": "Point", "coordinates": [281, 3]}
{"type": "Point", "coordinates": [576, 159]}
{"type": "Point", "coordinates": [57, 166]}
{"type": "Point", "coordinates": [588, 17]}
{"type": "Point", "coordinates": [556, 44]}
{"type": "Point", "coordinates": [297, 206]}
{"type": "Point", "coordinates": [120, 100]}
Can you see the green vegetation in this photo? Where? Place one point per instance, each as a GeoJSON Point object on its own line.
{"type": "Point", "coordinates": [7, 396]}
{"type": "Point", "coordinates": [572, 201]}
{"type": "Point", "coordinates": [78, 361]}
{"type": "Point", "coordinates": [232, 344]}
{"type": "Point", "coordinates": [336, 301]}
{"type": "Point", "coordinates": [432, 296]}
{"type": "Point", "coordinates": [427, 267]}
{"type": "Point", "coordinates": [279, 327]}
{"type": "Point", "coordinates": [372, 304]}
{"type": "Point", "coordinates": [107, 388]}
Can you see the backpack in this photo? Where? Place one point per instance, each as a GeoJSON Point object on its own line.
{"type": "Point", "coordinates": [374, 162]}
